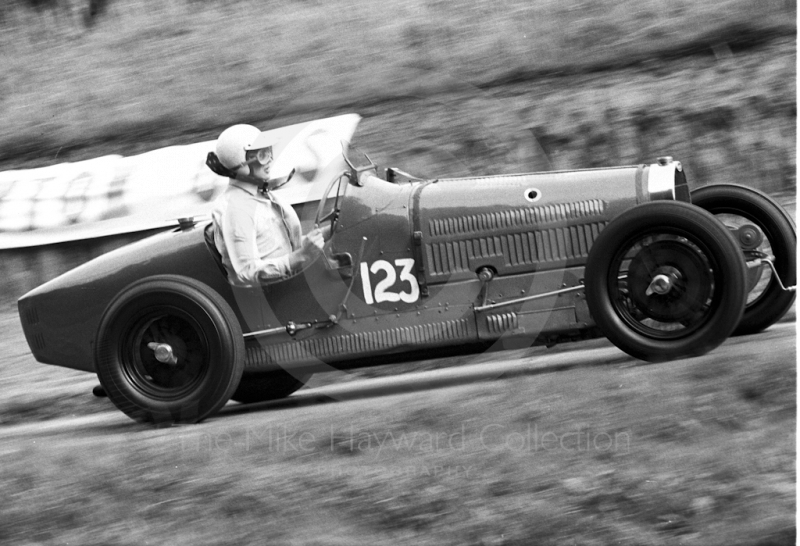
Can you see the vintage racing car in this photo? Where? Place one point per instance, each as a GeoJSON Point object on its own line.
{"type": "Point", "coordinates": [422, 267]}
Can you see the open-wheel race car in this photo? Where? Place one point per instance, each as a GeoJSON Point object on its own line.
{"type": "Point", "coordinates": [423, 267]}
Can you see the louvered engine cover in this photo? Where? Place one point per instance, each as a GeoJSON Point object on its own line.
{"type": "Point", "coordinates": [518, 223]}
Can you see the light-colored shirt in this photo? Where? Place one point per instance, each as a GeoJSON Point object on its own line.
{"type": "Point", "coordinates": [255, 233]}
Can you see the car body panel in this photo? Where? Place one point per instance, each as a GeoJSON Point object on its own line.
{"type": "Point", "coordinates": [409, 284]}
{"type": "Point", "coordinates": [60, 318]}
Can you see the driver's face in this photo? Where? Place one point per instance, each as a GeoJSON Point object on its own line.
{"type": "Point", "coordinates": [260, 162]}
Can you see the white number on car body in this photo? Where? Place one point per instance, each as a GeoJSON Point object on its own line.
{"type": "Point", "coordinates": [382, 288]}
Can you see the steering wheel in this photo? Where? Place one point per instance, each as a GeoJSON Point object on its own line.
{"type": "Point", "coordinates": [341, 189]}
{"type": "Point", "coordinates": [333, 213]}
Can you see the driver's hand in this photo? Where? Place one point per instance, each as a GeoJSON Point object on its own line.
{"type": "Point", "coordinates": [313, 242]}
{"type": "Point", "coordinates": [326, 232]}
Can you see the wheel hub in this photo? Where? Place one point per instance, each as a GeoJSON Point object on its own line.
{"type": "Point", "coordinates": [163, 352]}
{"type": "Point", "coordinates": [662, 283]}
{"type": "Point", "coordinates": [170, 353]}
{"type": "Point", "coordinates": [749, 236]}
{"type": "Point", "coordinates": [669, 281]}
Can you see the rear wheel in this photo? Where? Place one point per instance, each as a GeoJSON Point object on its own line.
{"type": "Point", "coordinates": [169, 350]}
{"type": "Point", "coordinates": [744, 210]}
{"type": "Point", "coordinates": [665, 280]}
{"type": "Point", "coordinates": [263, 386]}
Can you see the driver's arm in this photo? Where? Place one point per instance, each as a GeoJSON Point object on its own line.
{"type": "Point", "coordinates": [238, 225]}
{"type": "Point", "coordinates": [245, 261]}
{"type": "Point", "coordinates": [271, 269]}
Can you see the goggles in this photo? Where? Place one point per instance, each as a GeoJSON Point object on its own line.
{"type": "Point", "coordinates": [263, 156]}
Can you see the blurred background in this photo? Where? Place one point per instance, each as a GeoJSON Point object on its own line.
{"type": "Point", "coordinates": [598, 82]}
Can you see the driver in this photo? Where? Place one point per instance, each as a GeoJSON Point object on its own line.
{"type": "Point", "coordinates": [258, 236]}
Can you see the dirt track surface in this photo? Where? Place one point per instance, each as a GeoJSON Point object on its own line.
{"type": "Point", "coordinates": [598, 444]}
{"type": "Point", "coordinates": [505, 366]}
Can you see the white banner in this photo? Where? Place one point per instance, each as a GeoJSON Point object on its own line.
{"type": "Point", "coordinates": [114, 194]}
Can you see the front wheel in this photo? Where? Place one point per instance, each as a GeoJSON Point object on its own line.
{"type": "Point", "coordinates": [765, 230]}
{"type": "Point", "coordinates": [665, 280]}
{"type": "Point", "coordinates": [169, 349]}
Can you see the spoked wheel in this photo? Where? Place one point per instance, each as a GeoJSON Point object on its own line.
{"type": "Point", "coordinates": [262, 386]}
{"type": "Point", "coordinates": [670, 284]}
{"type": "Point", "coordinates": [764, 231]}
{"type": "Point", "coordinates": [169, 349]}
{"type": "Point", "coordinates": [165, 354]}
{"type": "Point", "coordinates": [665, 280]}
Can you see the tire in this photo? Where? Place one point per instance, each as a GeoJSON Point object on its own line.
{"type": "Point", "coordinates": [733, 204]}
{"type": "Point", "coordinates": [701, 272]}
{"type": "Point", "coordinates": [206, 342]}
{"type": "Point", "coordinates": [260, 387]}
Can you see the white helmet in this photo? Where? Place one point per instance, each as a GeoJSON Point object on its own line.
{"type": "Point", "coordinates": [232, 145]}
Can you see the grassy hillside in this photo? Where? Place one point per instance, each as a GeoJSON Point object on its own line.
{"type": "Point", "coordinates": [446, 86]}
